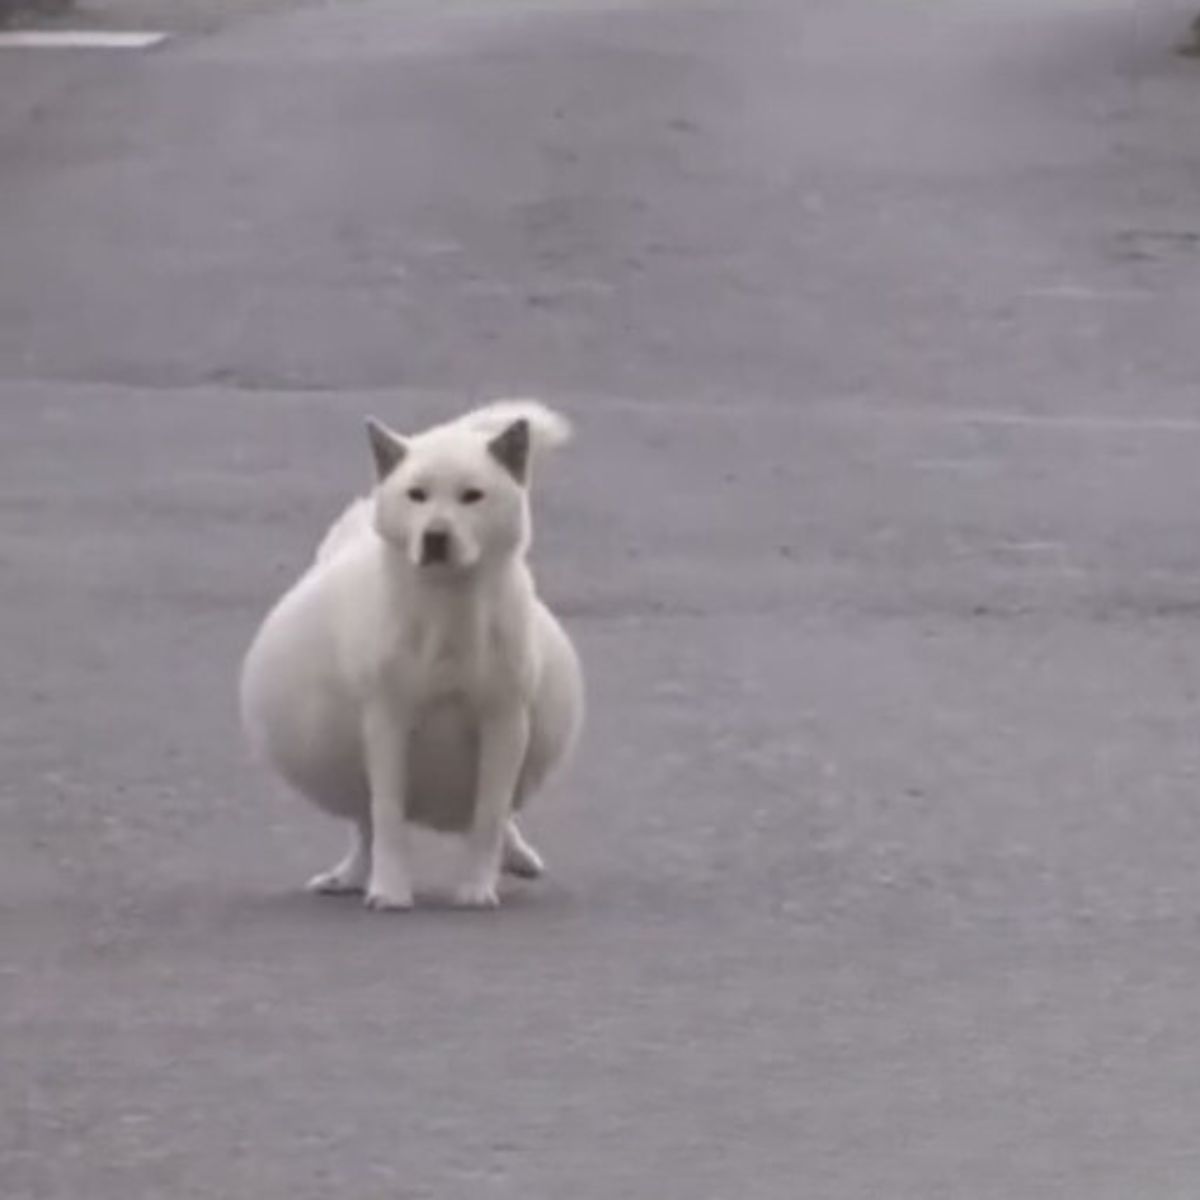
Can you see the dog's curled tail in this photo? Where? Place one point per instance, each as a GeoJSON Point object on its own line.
{"type": "Point", "coordinates": [547, 428]}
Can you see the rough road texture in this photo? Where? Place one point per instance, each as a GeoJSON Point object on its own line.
{"type": "Point", "coordinates": [877, 876]}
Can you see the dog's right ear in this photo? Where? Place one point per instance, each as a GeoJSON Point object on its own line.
{"type": "Point", "coordinates": [387, 448]}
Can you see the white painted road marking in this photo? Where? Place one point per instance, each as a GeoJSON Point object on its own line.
{"type": "Point", "coordinates": [80, 39]}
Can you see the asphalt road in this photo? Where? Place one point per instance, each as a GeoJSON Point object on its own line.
{"type": "Point", "coordinates": [876, 878]}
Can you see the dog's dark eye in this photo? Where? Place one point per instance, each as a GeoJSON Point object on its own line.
{"type": "Point", "coordinates": [418, 495]}
{"type": "Point", "coordinates": [470, 495]}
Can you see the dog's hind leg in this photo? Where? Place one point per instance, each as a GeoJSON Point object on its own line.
{"type": "Point", "coordinates": [520, 858]}
{"type": "Point", "coordinates": [350, 874]}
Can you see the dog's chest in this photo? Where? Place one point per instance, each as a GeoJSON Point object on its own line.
{"type": "Point", "coordinates": [445, 658]}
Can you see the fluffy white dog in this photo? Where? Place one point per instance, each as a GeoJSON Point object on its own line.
{"type": "Point", "coordinates": [412, 674]}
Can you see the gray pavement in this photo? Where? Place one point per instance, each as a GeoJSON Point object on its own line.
{"type": "Point", "coordinates": [876, 877]}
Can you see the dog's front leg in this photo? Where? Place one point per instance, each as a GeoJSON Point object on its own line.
{"type": "Point", "coordinates": [503, 741]}
{"type": "Point", "coordinates": [385, 738]}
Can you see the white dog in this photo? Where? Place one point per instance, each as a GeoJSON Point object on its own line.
{"type": "Point", "coordinates": [412, 674]}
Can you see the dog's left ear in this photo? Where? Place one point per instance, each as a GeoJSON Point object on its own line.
{"type": "Point", "coordinates": [388, 448]}
{"type": "Point", "coordinates": [510, 449]}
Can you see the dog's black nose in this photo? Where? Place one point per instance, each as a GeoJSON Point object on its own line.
{"type": "Point", "coordinates": [435, 546]}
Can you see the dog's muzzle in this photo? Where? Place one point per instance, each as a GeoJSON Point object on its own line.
{"type": "Point", "coordinates": [435, 547]}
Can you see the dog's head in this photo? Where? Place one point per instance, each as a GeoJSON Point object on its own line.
{"type": "Point", "coordinates": [457, 496]}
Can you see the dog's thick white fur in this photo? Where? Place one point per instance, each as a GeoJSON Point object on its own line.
{"type": "Point", "coordinates": [412, 675]}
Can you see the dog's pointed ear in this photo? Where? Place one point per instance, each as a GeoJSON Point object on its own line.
{"type": "Point", "coordinates": [510, 448]}
{"type": "Point", "coordinates": [387, 448]}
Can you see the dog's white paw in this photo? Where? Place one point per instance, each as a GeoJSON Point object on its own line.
{"type": "Point", "coordinates": [348, 876]}
{"type": "Point", "coordinates": [336, 883]}
{"type": "Point", "coordinates": [476, 893]}
{"type": "Point", "coordinates": [392, 900]}
{"type": "Point", "coordinates": [520, 858]}
{"type": "Point", "coordinates": [390, 888]}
